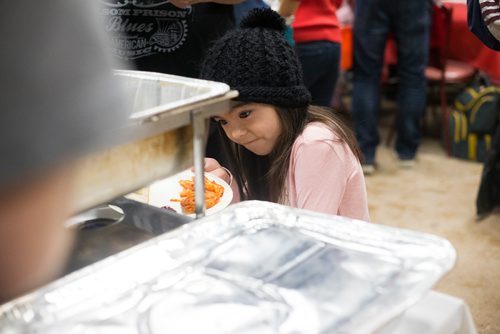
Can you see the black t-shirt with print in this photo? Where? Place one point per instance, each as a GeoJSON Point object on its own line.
{"type": "Point", "coordinates": [159, 37]}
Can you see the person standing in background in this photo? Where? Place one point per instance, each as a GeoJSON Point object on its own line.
{"type": "Point", "coordinates": [241, 9]}
{"type": "Point", "coordinates": [58, 102]}
{"type": "Point", "coordinates": [168, 37]}
{"type": "Point", "coordinates": [317, 37]}
{"type": "Point", "coordinates": [483, 19]}
{"type": "Point", "coordinates": [165, 36]}
{"type": "Point", "coordinates": [410, 22]}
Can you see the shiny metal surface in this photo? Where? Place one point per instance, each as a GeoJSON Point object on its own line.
{"type": "Point", "coordinates": [168, 101]}
{"type": "Point", "coordinates": [123, 169]}
{"type": "Point", "coordinates": [199, 129]}
{"type": "Point", "coordinates": [158, 139]}
{"type": "Point", "coordinates": [254, 267]}
{"type": "Point", "coordinates": [111, 213]}
{"type": "Point", "coordinates": [152, 94]}
{"type": "Point", "coordinates": [109, 229]}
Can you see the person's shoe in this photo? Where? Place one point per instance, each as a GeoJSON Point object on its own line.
{"type": "Point", "coordinates": [368, 169]}
{"type": "Point", "coordinates": [405, 162]}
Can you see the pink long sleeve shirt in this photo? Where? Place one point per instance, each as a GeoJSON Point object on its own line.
{"type": "Point", "coordinates": [325, 175]}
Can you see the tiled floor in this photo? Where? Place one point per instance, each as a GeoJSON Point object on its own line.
{"type": "Point", "coordinates": [438, 196]}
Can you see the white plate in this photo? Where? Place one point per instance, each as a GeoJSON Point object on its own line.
{"type": "Point", "coordinates": [161, 192]}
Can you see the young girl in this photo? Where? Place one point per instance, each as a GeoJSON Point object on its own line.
{"type": "Point", "coordinates": [280, 148]}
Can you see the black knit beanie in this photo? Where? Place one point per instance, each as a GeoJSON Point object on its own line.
{"type": "Point", "coordinates": [258, 61]}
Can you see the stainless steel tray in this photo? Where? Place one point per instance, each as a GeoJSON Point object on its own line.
{"type": "Point", "coordinates": [161, 102]}
{"type": "Point", "coordinates": [151, 94]}
{"type": "Point", "coordinates": [164, 135]}
{"type": "Point", "coordinates": [109, 229]}
{"type": "Point", "coordinates": [254, 267]}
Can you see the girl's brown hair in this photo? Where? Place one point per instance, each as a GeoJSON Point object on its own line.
{"type": "Point", "coordinates": [264, 177]}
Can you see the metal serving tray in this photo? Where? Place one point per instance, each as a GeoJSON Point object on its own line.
{"type": "Point", "coordinates": [164, 135]}
{"type": "Point", "coordinates": [151, 94]}
{"type": "Point", "coordinates": [109, 229]}
{"type": "Point", "coordinates": [254, 267]}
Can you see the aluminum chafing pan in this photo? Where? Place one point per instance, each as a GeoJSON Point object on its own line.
{"type": "Point", "coordinates": [158, 139]}
{"type": "Point", "coordinates": [151, 93]}
{"type": "Point", "coordinates": [104, 215]}
{"type": "Point", "coordinates": [254, 267]}
{"type": "Point", "coordinates": [109, 229]}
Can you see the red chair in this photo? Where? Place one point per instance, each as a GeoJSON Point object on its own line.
{"type": "Point", "coordinates": [441, 73]}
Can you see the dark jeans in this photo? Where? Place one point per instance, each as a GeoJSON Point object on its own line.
{"type": "Point", "coordinates": [320, 62]}
{"type": "Point", "coordinates": [410, 21]}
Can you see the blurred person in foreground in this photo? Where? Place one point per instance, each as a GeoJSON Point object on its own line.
{"type": "Point", "coordinates": [317, 37]}
{"type": "Point", "coordinates": [58, 101]}
{"type": "Point", "coordinates": [410, 22]}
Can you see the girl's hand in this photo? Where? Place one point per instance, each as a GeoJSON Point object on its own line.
{"type": "Point", "coordinates": [212, 166]}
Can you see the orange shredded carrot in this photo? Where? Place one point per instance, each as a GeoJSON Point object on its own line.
{"type": "Point", "coordinates": [213, 194]}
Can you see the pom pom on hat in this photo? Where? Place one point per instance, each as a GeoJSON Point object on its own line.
{"type": "Point", "coordinates": [258, 61]}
